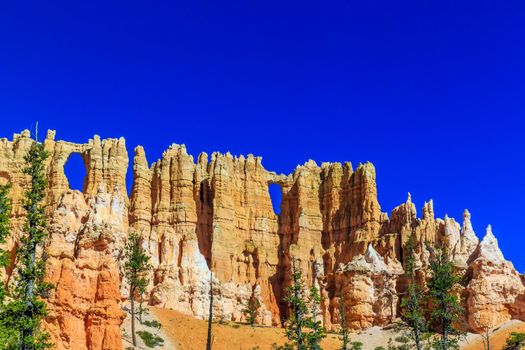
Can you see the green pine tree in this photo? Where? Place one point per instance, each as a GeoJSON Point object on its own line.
{"type": "Point", "coordinates": [23, 314]}
{"type": "Point", "coordinates": [141, 288]}
{"type": "Point", "coordinates": [318, 331]}
{"type": "Point", "coordinates": [515, 341]}
{"type": "Point", "coordinates": [346, 342]}
{"type": "Point", "coordinates": [135, 267]}
{"type": "Point", "coordinates": [302, 331]}
{"type": "Point", "coordinates": [5, 208]}
{"type": "Point", "coordinates": [412, 315]}
{"type": "Point", "coordinates": [250, 312]}
{"type": "Point", "coordinates": [345, 334]}
{"type": "Point", "coordinates": [7, 335]}
{"type": "Point", "coordinates": [445, 308]}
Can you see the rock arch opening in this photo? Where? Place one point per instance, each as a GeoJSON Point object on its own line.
{"type": "Point", "coordinates": [276, 196]}
{"type": "Point", "coordinates": [75, 171]}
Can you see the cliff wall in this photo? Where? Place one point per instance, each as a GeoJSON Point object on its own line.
{"type": "Point", "coordinates": [213, 217]}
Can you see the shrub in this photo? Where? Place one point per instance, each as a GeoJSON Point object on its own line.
{"type": "Point", "coordinates": [150, 340]}
{"type": "Point", "coordinates": [356, 345]}
{"type": "Point", "coordinates": [153, 324]}
{"type": "Point", "coordinates": [515, 341]}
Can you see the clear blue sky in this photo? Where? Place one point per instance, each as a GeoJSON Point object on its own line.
{"type": "Point", "coordinates": [433, 93]}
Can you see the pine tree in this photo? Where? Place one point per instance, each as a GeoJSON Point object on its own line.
{"type": "Point", "coordinates": [318, 332]}
{"type": "Point", "coordinates": [446, 310]}
{"type": "Point", "coordinates": [515, 341]}
{"type": "Point", "coordinates": [346, 343]}
{"type": "Point", "coordinates": [411, 309]}
{"type": "Point", "coordinates": [136, 265]}
{"type": "Point", "coordinates": [141, 288]}
{"type": "Point", "coordinates": [302, 331]}
{"type": "Point", "coordinates": [250, 311]}
{"type": "Point", "coordinates": [345, 336]}
{"type": "Point", "coordinates": [7, 335]}
{"type": "Point", "coordinates": [5, 208]}
{"type": "Point", "coordinates": [24, 313]}
{"type": "Point", "coordinates": [297, 320]}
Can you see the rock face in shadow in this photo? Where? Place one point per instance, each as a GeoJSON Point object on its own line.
{"type": "Point", "coordinates": [213, 217]}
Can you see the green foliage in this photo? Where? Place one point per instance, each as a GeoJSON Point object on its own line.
{"type": "Point", "coordinates": [412, 317]}
{"type": "Point", "coordinates": [142, 284]}
{"type": "Point", "coordinates": [302, 331]}
{"type": "Point", "coordinates": [356, 345]}
{"type": "Point", "coordinates": [7, 334]}
{"type": "Point", "coordinates": [446, 310]}
{"type": "Point", "coordinates": [318, 331]}
{"type": "Point", "coordinates": [153, 324]}
{"type": "Point", "coordinates": [20, 318]}
{"type": "Point", "coordinates": [251, 310]}
{"type": "Point", "coordinates": [515, 341]}
{"type": "Point", "coordinates": [405, 344]}
{"type": "Point", "coordinates": [345, 336]}
{"type": "Point", "coordinates": [5, 208]}
{"type": "Point", "coordinates": [136, 265]}
{"type": "Point", "coordinates": [150, 340]}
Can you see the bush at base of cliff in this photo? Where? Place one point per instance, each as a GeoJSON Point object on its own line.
{"type": "Point", "coordinates": [150, 340]}
{"type": "Point", "coordinates": [153, 324]}
{"type": "Point", "coordinates": [515, 341]}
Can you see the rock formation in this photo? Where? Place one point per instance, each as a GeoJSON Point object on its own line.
{"type": "Point", "coordinates": [87, 232]}
{"type": "Point", "coordinates": [213, 216]}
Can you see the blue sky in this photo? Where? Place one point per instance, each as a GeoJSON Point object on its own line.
{"type": "Point", "coordinates": [431, 92]}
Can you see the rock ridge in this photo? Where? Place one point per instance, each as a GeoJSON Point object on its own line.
{"type": "Point", "coordinates": [213, 215]}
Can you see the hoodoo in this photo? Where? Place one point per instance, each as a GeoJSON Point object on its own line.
{"type": "Point", "coordinates": [215, 214]}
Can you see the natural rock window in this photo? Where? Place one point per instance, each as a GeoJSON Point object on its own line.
{"type": "Point", "coordinates": [75, 171]}
{"type": "Point", "coordinates": [276, 195]}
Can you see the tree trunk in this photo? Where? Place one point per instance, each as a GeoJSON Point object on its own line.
{"type": "Point", "coordinates": [299, 314]}
{"type": "Point", "coordinates": [210, 315]}
{"type": "Point", "coordinates": [27, 331]}
{"type": "Point", "coordinates": [132, 300]}
{"type": "Point", "coordinates": [416, 339]}
{"type": "Point", "coordinates": [140, 308]}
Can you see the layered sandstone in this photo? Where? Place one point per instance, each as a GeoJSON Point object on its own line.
{"type": "Point", "coordinates": [87, 232]}
{"type": "Point", "coordinates": [212, 218]}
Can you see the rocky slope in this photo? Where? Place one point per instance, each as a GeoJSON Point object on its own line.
{"type": "Point", "coordinates": [214, 216]}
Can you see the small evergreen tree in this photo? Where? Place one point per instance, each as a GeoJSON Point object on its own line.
{"type": "Point", "coordinates": [7, 335]}
{"type": "Point", "coordinates": [318, 332]}
{"type": "Point", "coordinates": [411, 310]}
{"type": "Point", "coordinates": [141, 288]}
{"type": "Point", "coordinates": [23, 314]}
{"type": "Point", "coordinates": [137, 263]}
{"type": "Point", "coordinates": [346, 342]}
{"type": "Point", "coordinates": [297, 320]}
{"type": "Point", "coordinates": [251, 310]}
{"type": "Point", "coordinates": [345, 334]}
{"type": "Point", "coordinates": [5, 208]}
{"type": "Point", "coordinates": [446, 310]}
{"type": "Point", "coordinates": [515, 341]}
{"type": "Point", "coordinates": [302, 331]}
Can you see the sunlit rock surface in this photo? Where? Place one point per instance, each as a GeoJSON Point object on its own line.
{"type": "Point", "coordinates": [211, 217]}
